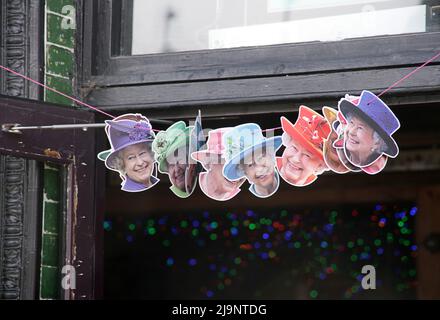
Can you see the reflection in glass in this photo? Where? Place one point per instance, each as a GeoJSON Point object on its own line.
{"type": "Point", "coordinates": [175, 25]}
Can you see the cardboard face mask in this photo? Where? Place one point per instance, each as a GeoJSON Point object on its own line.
{"type": "Point", "coordinates": [212, 182]}
{"type": "Point", "coordinates": [250, 155]}
{"type": "Point", "coordinates": [331, 156]}
{"type": "Point", "coordinates": [171, 151]}
{"type": "Point", "coordinates": [303, 160]}
{"type": "Point", "coordinates": [131, 155]}
{"type": "Point", "coordinates": [338, 127]}
{"type": "Point", "coordinates": [369, 129]}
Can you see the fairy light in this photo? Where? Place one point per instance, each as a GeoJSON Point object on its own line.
{"type": "Point", "coordinates": [323, 243]}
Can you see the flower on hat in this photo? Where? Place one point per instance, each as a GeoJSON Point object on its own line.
{"type": "Point", "coordinates": [139, 132]}
{"type": "Point", "coordinates": [160, 145]}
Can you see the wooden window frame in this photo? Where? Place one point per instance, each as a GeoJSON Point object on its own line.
{"type": "Point", "coordinates": [275, 76]}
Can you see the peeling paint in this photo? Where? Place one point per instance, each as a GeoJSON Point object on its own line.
{"type": "Point", "coordinates": [52, 153]}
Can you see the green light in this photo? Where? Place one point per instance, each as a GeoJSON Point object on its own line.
{"type": "Point", "coordinates": [166, 243]}
{"type": "Point", "coordinates": [313, 294]}
{"type": "Point", "coordinates": [403, 230]}
{"type": "Point", "coordinates": [284, 213]}
{"type": "Point", "coordinates": [405, 219]}
{"type": "Point", "coordinates": [214, 225]}
{"type": "Point", "coordinates": [233, 272]}
{"type": "Point", "coordinates": [412, 272]}
{"type": "Point", "coordinates": [252, 226]}
{"type": "Point", "coordinates": [220, 286]}
{"type": "Point", "coordinates": [220, 275]}
{"type": "Point", "coordinates": [297, 245]}
{"type": "Point", "coordinates": [195, 232]}
{"type": "Point", "coordinates": [404, 259]}
{"type": "Point", "coordinates": [131, 226]}
{"type": "Point", "coordinates": [213, 237]}
{"type": "Point", "coordinates": [353, 258]}
{"type": "Point", "coordinates": [151, 231]}
{"type": "Point", "coordinates": [400, 224]}
{"type": "Point", "coordinates": [237, 260]}
{"type": "Point", "coordinates": [235, 223]}
{"type": "Point", "coordinates": [350, 244]}
{"type": "Point", "coordinates": [406, 243]}
{"type": "Point", "coordinates": [360, 242]}
{"type": "Point", "coordinates": [367, 249]}
{"type": "Point", "coordinates": [377, 242]}
{"type": "Point", "coordinates": [184, 224]}
{"type": "Point", "coordinates": [106, 225]}
{"type": "Point", "coordinates": [334, 267]}
{"type": "Point", "coordinates": [150, 222]}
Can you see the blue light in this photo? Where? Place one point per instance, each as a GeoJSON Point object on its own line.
{"type": "Point", "coordinates": [264, 256]}
{"type": "Point", "coordinates": [378, 207]}
{"type": "Point", "coordinates": [364, 256]}
{"type": "Point", "coordinates": [265, 236]}
{"type": "Point", "coordinates": [257, 245]}
{"type": "Point", "coordinates": [379, 251]}
{"type": "Point", "coordinates": [234, 231]}
{"type": "Point", "coordinates": [288, 235]}
{"type": "Point", "coordinates": [268, 245]}
{"type": "Point", "coordinates": [212, 267]}
{"type": "Point", "coordinates": [324, 244]}
{"type": "Point", "coordinates": [209, 294]}
{"type": "Point", "coordinates": [196, 223]}
{"type": "Point", "coordinates": [170, 262]}
{"type": "Point", "coordinates": [413, 211]}
{"type": "Point", "coordinates": [413, 247]}
{"type": "Point", "coordinates": [206, 214]}
{"type": "Point", "coordinates": [130, 238]}
{"type": "Point", "coordinates": [192, 262]}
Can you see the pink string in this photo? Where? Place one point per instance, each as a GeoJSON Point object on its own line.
{"type": "Point", "coordinates": [56, 91]}
{"type": "Point", "coordinates": [270, 129]}
{"type": "Point", "coordinates": [406, 77]}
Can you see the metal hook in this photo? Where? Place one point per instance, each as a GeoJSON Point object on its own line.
{"type": "Point", "coordinates": [10, 128]}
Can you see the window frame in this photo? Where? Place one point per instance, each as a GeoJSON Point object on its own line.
{"type": "Point", "coordinates": [279, 74]}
